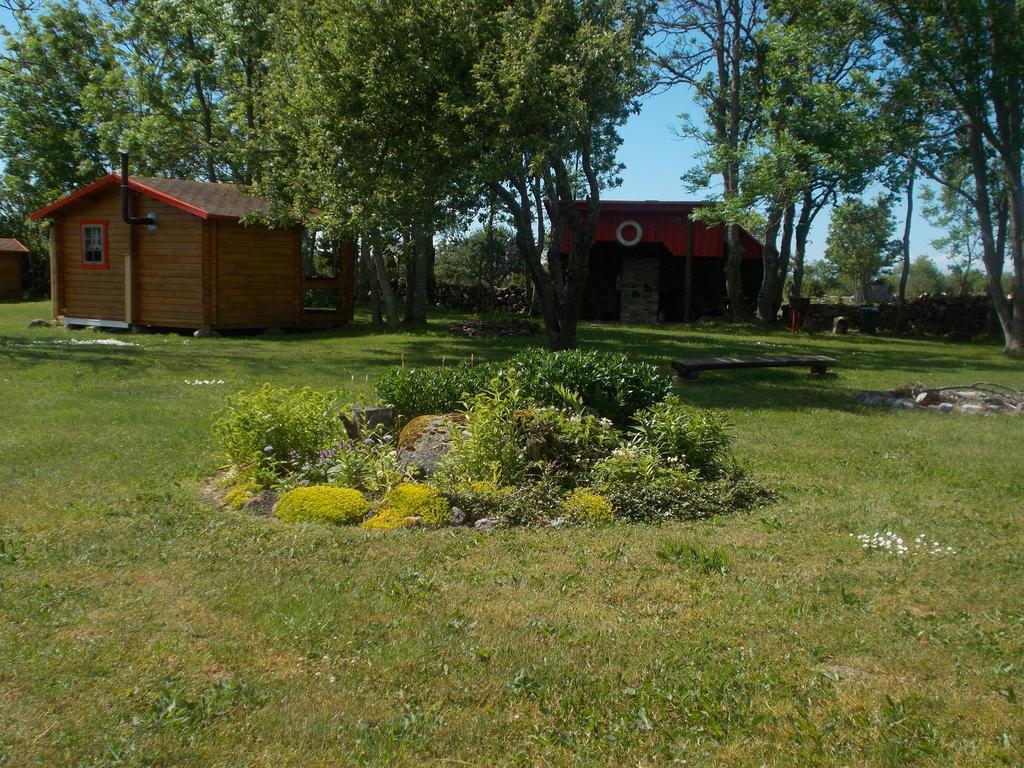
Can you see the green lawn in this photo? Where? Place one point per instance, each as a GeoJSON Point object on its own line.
{"type": "Point", "coordinates": [138, 626]}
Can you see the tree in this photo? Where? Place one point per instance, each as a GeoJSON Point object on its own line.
{"type": "Point", "coordinates": [825, 133]}
{"type": "Point", "coordinates": [972, 53]}
{"type": "Point", "coordinates": [486, 257]}
{"type": "Point", "coordinates": [924, 276]}
{"type": "Point", "coordinates": [950, 211]}
{"type": "Point", "coordinates": [860, 241]}
{"type": "Point", "coordinates": [712, 47]}
{"type": "Point", "coordinates": [389, 114]}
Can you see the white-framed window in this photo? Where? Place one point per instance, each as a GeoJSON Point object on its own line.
{"type": "Point", "coordinates": [94, 244]}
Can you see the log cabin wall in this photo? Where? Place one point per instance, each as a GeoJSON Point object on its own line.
{"type": "Point", "coordinates": [257, 276]}
{"type": "Point", "coordinates": [10, 276]}
{"type": "Point", "coordinates": [89, 292]}
{"type": "Point", "coordinates": [168, 266]}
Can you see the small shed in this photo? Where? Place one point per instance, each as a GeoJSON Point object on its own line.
{"type": "Point", "coordinates": [650, 262]}
{"type": "Point", "coordinates": [12, 253]}
{"type": "Point", "coordinates": [188, 260]}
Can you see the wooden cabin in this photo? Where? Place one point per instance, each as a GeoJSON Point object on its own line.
{"type": "Point", "coordinates": [12, 253]}
{"type": "Point", "coordinates": [650, 262]}
{"type": "Point", "coordinates": [190, 260]}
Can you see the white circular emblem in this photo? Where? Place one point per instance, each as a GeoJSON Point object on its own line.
{"type": "Point", "coordinates": [638, 233]}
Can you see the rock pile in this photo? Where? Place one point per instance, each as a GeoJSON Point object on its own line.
{"type": "Point", "coordinates": [968, 399]}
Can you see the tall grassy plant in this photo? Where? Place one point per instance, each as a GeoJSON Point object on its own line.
{"type": "Point", "coordinates": [491, 445]}
{"type": "Point", "coordinates": [678, 432]}
{"type": "Point", "coordinates": [266, 430]}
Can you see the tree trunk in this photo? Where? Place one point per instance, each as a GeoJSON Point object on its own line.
{"type": "Point", "coordinates": [803, 228]}
{"type": "Point", "coordinates": [901, 311]}
{"type": "Point", "coordinates": [389, 307]}
{"type": "Point", "coordinates": [416, 299]}
{"type": "Point", "coordinates": [362, 285]}
{"type": "Point", "coordinates": [785, 254]}
{"type": "Point", "coordinates": [1010, 314]}
{"type": "Point", "coordinates": [369, 270]}
{"type": "Point", "coordinates": [431, 265]}
{"type": "Point", "coordinates": [766, 307]}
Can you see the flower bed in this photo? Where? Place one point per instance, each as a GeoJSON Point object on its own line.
{"type": "Point", "coordinates": [524, 449]}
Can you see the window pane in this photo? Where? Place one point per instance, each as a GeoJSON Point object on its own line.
{"type": "Point", "coordinates": [92, 241]}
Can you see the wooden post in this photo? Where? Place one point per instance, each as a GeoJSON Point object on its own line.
{"type": "Point", "coordinates": [55, 293]}
{"type": "Point", "coordinates": [128, 282]}
{"type": "Point", "coordinates": [688, 290]}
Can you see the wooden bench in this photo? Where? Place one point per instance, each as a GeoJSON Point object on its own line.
{"type": "Point", "coordinates": [688, 369]}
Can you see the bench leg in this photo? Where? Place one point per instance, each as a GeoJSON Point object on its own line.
{"type": "Point", "coordinates": [688, 375]}
{"type": "Point", "coordinates": [819, 370]}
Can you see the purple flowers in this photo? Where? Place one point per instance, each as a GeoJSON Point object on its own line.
{"type": "Point", "coordinates": [268, 448]}
{"type": "Point", "coordinates": [388, 438]}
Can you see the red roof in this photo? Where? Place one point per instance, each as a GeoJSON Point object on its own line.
{"type": "Point", "coordinates": [10, 245]}
{"type": "Point", "coordinates": [664, 221]}
{"type": "Point", "coordinates": [204, 199]}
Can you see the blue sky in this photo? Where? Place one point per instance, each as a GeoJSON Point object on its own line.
{"type": "Point", "coordinates": [656, 157]}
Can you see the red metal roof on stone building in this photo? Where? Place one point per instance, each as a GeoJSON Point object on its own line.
{"type": "Point", "coordinates": [204, 199]}
{"type": "Point", "coordinates": [10, 245]}
{"type": "Point", "coordinates": [665, 222]}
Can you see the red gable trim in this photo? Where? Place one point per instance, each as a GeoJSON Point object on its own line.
{"type": "Point", "coordinates": [114, 178]}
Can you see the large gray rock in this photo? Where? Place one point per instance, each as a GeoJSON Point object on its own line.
{"type": "Point", "coordinates": [39, 324]}
{"type": "Point", "coordinates": [424, 441]}
{"type": "Point", "coordinates": [367, 419]}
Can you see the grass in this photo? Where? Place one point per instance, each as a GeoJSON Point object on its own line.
{"type": "Point", "coordinates": [140, 627]}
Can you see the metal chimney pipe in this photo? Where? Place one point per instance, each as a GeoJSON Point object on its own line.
{"type": "Point", "coordinates": [125, 213]}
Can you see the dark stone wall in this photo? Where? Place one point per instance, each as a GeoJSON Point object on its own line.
{"type": "Point", "coordinates": [932, 314]}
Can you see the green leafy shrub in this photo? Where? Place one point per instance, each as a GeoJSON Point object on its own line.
{"type": "Point", "coordinates": [420, 391]}
{"type": "Point", "coordinates": [677, 432]}
{"type": "Point", "coordinates": [694, 554]}
{"type": "Point", "coordinates": [491, 445]}
{"type": "Point", "coordinates": [478, 499]}
{"type": "Point", "coordinates": [322, 504]}
{"type": "Point", "coordinates": [630, 465]}
{"type": "Point", "coordinates": [263, 431]}
{"type": "Point", "coordinates": [565, 446]}
{"type": "Point", "coordinates": [584, 507]}
{"type": "Point", "coordinates": [610, 385]}
{"type": "Point", "coordinates": [415, 500]}
{"type": "Point", "coordinates": [533, 504]}
{"type": "Point", "coordinates": [369, 465]}
{"type": "Point", "coordinates": [682, 495]}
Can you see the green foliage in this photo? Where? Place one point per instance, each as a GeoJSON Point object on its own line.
{"type": "Point", "coordinates": [565, 446]}
{"type": "Point", "coordinates": [478, 499]}
{"type": "Point", "coordinates": [485, 256]}
{"type": "Point", "coordinates": [264, 431]}
{"type": "Point", "coordinates": [610, 385]}
{"type": "Point", "coordinates": [322, 504]}
{"type": "Point", "coordinates": [860, 240]}
{"type": "Point", "coordinates": [694, 554]}
{"type": "Point", "coordinates": [422, 391]}
{"type": "Point", "coordinates": [693, 437]}
{"type": "Point", "coordinates": [416, 500]}
{"type": "Point", "coordinates": [584, 507]}
{"type": "Point", "coordinates": [369, 465]}
{"type": "Point", "coordinates": [491, 445]}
